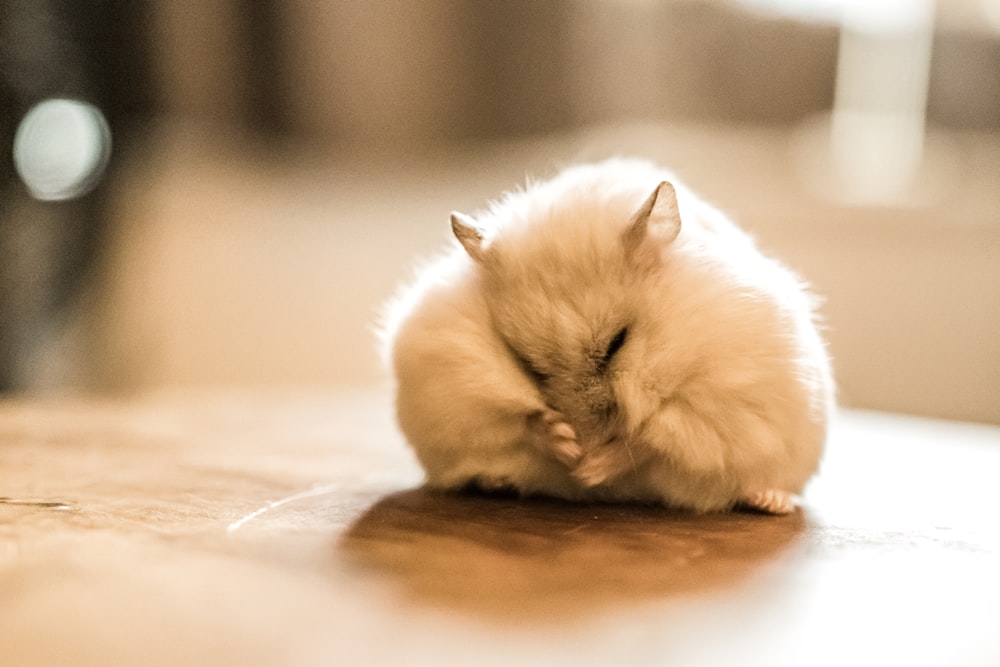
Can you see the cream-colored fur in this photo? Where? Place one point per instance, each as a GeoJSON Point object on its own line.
{"type": "Point", "coordinates": [718, 395]}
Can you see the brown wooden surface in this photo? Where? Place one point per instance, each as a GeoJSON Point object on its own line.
{"type": "Point", "coordinates": [280, 529]}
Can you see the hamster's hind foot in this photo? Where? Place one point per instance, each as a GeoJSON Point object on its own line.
{"type": "Point", "coordinates": [771, 501]}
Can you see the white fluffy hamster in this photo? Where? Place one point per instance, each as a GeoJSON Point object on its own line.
{"type": "Point", "coordinates": [605, 335]}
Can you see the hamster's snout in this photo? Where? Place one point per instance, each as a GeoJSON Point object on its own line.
{"type": "Point", "coordinates": [595, 425]}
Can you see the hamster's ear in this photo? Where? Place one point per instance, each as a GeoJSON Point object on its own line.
{"type": "Point", "coordinates": [468, 234]}
{"type": "Point", "coordinates": [658, 217]}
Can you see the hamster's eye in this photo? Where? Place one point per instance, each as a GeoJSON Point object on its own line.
{"type": "Point", "coordinates": [538, 376]}
{"type": "Point", "coordinates": [616, 344]}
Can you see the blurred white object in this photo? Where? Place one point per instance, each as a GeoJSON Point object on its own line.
{"type": "Point", "coordinates": [61, 148]}
{"type": "Point", "coordinates": [878, 122]}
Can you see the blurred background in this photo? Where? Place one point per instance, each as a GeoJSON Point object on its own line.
{"type": "Point", "coordinates": [223, 192]}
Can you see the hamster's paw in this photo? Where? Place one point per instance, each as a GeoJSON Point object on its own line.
{"type": "Point", "coordinates": [772, 501]}
{"type": "Point", "coordinates": [492, 485]}
{"type": "Point", "coordinates": [555, 437]}
{"type": "Point", "coordinates": [604, 463]}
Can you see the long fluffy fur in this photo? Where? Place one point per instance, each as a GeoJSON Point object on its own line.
{"type": "Point", "coordinates": [720, 393]}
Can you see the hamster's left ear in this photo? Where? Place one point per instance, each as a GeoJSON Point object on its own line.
{"type": "Point", "coordinates": [468, 234]}
{"type": "Point", "coordinates": [658, 217]}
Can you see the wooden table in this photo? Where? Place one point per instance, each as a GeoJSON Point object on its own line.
{"type": "Point", "coordinates": [290, 529]}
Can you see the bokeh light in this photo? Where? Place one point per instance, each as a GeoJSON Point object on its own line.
{"type": "Point", "coordinates": [61, 149]}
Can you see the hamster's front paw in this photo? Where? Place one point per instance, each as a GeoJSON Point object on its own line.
{"type": "Point", "coordinates": [554, 436]}
{"type": "Point", "coordinates": [771, 501]}
{"type": "Point", "coordinates": [604, 463]}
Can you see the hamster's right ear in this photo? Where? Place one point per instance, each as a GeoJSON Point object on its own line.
{"type": "Point", "coordinates": [468, 234]}
{"type": "Point", "coordinates": [659, 217]}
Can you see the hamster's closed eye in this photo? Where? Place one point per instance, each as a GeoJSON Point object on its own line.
{"type": "Point", "coordinates": [531, 369]}
{"type": "Point", "coordinates": [616, 344]}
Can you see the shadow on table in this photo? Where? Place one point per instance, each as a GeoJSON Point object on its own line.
{"type": "Point", "coordinates": [531, 559]}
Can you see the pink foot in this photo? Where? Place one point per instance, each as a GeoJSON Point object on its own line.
{"type": "Point", "coordinates": [604, 463]}
{"type": "Point", "coordinates": [555, 437]}
{"type": "Point", "coordinates": [772, 501]}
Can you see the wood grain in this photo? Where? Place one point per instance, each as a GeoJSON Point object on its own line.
{"type": "Point", "coordinates": [290, 528]}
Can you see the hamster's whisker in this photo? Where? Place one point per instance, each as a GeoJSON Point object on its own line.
{"type": "Point", "coordinates": [631, 458]}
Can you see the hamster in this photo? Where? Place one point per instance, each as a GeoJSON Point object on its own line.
{"type": "Point", "coordinates": [607, 336]}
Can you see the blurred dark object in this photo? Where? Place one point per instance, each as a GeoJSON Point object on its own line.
{"type": "Point", "coordinates": [92, 52]}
